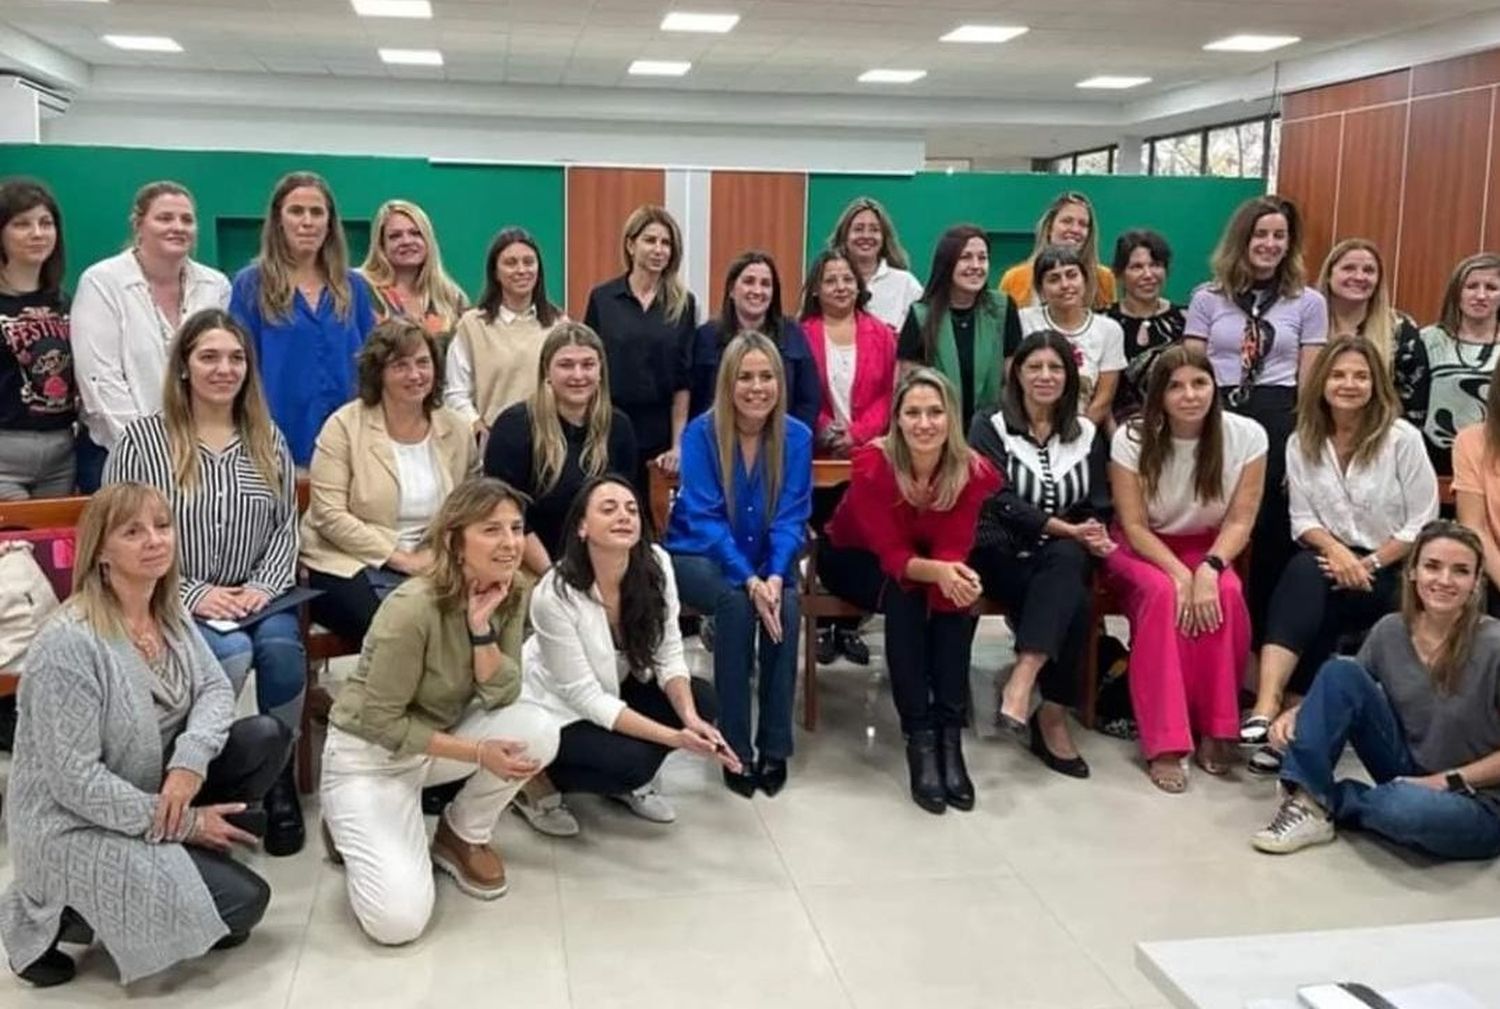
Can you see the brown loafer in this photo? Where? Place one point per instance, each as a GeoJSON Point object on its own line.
{"type": "Point", "coordinates": [476, 868]}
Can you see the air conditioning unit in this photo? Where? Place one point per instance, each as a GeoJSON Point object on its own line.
{"type": "Point", "coordinates": [49, 102]}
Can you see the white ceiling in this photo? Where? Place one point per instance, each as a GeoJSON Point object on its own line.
{"type": "Point", "coordinates": [782, 47]}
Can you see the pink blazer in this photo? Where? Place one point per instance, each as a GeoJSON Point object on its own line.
{"type": "Point", "coordinates": [874, 375]}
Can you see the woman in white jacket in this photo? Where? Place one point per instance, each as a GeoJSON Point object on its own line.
{"type": "Point", "coordinates": [606, 660]}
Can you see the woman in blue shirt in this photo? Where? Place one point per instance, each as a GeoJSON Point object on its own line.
{"type": "Point", "coordinates": [734, 544]}
{"type": "Point", "coordinates": [752, 301]}
{"type": "Point", "coordinates": [306, 311]}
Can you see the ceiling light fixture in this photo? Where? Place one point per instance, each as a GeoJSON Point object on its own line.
{"type": "Point", "coordinates": [144, 43]}
{"type": "Point", "coordinates": [1110, 83]}
{"type": "Point", "coordinates": [392, 8]}
{"type": "Point", "coordinates": [992, 34]}
{"type": "Point", "coordinates": [679, 21]}
{"type": "Point", "coordinates": [891, 76]}
{"type": "Point", "coordinates": [660, 68]}
{"type": "Point", "coordinates": [1251, 43]}
{"type": "Point", "coordinates": [412, 57]}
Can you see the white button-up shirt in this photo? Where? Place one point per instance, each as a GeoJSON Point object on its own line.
{"type": "Point", "coordinates": [892, 293]}
{"type": "Point", "coordinates": [1390, 497]}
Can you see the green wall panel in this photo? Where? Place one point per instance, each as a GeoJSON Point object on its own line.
{"type": "Point", "coordinates": [1189, 212]}
{"type": "Point", "coordinates": [468, 203]}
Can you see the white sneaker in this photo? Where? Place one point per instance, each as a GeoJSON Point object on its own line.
{"type": "Point", "coordinates": [548, 815]}
{"type": "Point", "coordinates": [1297, 825]}
{"type": "Point", "coordinates": [649, 804]}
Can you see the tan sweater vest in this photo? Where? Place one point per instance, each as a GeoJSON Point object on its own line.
{"type": "Point", "coordinates": [504, 357]}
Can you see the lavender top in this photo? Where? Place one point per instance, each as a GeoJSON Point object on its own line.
{"type": "Point", "coordinates": [1297, 322]}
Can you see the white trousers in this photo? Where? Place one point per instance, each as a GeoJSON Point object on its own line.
{"type": "Point", "coordinates": [372, 803]}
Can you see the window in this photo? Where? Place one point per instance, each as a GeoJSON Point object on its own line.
{"type": "Point", "coordinates": [1179, 155]}
{"type": "Point", "coordinates": [1273, 146]}
{"type": "Point", "coordinates": [1238, 151]}
{"type": "Point", "coordinates": [1095, 162]}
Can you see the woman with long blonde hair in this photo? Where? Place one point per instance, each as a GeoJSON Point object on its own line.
{"type": "Point", "coordinates": [1463, 351]}
{"type": "Point", "coordinates": [898, 544]}
{"type": "Point", "coordinates": [404, 269]}
{"type": "Point", "coordinates": [1069, 221]}
{"type": "Point", "coordinates": [866, 235]}
{"type": "Point", "coordinates": [567, 432]}
{"type": "Point", "coordinates": [306, 311]}
{"type": "Point", "coordinates": [226, 470]}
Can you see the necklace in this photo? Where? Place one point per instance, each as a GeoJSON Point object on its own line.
{"type": "Point", "coordinates": [148, 642]}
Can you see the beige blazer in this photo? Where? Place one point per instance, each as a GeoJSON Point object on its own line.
{"type": "Point", "coordinates": [351, 514]}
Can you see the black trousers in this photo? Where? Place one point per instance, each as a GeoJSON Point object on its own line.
{"type": "Point", "coordinates": [347, 605]}
{"type": "Point", "coordinates": [1308, 615]}
{"type": "Point", "coordinates": [1274, 407]}
{"type": "Point", "coordinates": [1047, 595]}
{"type": "Point", "coordinates": [927, 650]}
{"type": "Point", "coordinates": [825, 500]}
{"type": "Point", "coordinates": [597, 761]}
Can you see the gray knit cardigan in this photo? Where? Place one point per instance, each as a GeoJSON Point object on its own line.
{"type": "Point", "coordinates": [83, 787]}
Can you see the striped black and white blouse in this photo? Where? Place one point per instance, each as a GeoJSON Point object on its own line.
{"type": "Point", "coordinates": [233, 528]}
{"type": "Point", "coordinates": [1054, 479]}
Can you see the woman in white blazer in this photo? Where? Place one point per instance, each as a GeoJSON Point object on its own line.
{"type": "Point", "coordinates": [606, 660]}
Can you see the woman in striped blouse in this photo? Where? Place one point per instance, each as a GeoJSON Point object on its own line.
{"type": "Point", "coordinates": [228, 473]}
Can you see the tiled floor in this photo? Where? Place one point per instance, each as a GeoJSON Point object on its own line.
{"type": "Point", "coordinates": [839, 892]}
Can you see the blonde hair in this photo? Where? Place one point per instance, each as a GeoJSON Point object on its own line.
{"type": "Point", "coordinates": [1381, 319]}
{"type": "Point", "coordinates": [470, 503]}
{"type": "Point", "coordinates": [277, 289]}
{"type": "Point", "coordinates": [890, 245]}
{"type": "Point", "coordinates": [549, 447]}
{"type": "Point", "coordinates": [1088, 252]}
{"type": "Point", "coordinates": [252, 418]}
{"type": "Point", "coordinates": [726, 432]}
{"type": "Point", "coordinates": [674, 293]}
{"type": "Point", "coordinates": [1448, 665]}
{"type": "Point", "coordinates": [93, 597]}
{"type": "Point", "coordinates": [1315, 416]}
{"type": "Point", "coordinates": [956, 463]}
{"type": "Point", "coordinates": [1451, 317]}
{"type": "Point", "coordinates": [1231, 259]}
{"type": "Point", "coordinates": [140, 204]}
{"type": "Point", "coordinates": [437, 290]}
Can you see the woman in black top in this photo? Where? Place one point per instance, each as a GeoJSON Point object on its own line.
{"type": "Point", "coordinates": [1037, 533]}
{"type": "Point", "coordinates": [566, 434]}
{"type": "Point", "coordinates": [646, 319]}
{"type": "Point", "coordinates": [38, 395]}
{"type": "Point", "coordinates": [1150, 321]}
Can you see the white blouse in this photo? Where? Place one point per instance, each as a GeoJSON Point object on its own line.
{"type": "Point", "coordinates": [841, 361]}
{"type": "Point", "coordinates": [421, 491]}
{"type": "Point", "coordinates": [1390, 497]}
{"type": "Point", "coordinates": [1175, 509]}
{"type": "Point", "coordinates": [892, 292]}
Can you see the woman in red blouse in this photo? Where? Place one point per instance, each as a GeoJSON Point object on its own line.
{"type": "Point", "coordinates": [906, 560]}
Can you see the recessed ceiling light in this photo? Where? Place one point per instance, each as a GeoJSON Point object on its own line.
{"type": "Point", "coordinates": [660, 68]}
{"type": "Point", "coordinates": [1252, 43]}
{"type": "Point", "coordinates": [1113, 83]}
{"type": "Point", "coordinates": [392, 8]}
{"type": "Point", "coordinates": [984, 33]}
{"type": "Point", "coordinates": [412, 57]}
{"type": "Point", "coordinates": [678, 21]}
{"type": "Point", "coordinates": [891, 76]}
{"type": "Point", "coordinates": [144, 43]}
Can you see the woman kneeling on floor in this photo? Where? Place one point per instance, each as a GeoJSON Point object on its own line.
{"type": "Point", "coordinates": [129, 766]}
{"type": "Point", "coordinates": [436, 698]}
{"type": "Point", "coordinates": [1421, 707]}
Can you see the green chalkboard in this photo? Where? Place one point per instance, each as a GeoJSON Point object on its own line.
{"type": "Point", "coordinates": [1189, 212]}
{"type": "Point", "coordinates": [468, 204]}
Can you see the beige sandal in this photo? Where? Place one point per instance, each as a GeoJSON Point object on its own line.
{"type": "Point", "coordinates": [1170, 778]}
{"type": "Point", "coordinates": [1209, 755]}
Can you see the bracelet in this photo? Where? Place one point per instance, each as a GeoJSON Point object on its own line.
{"type": "Point", "coordinates": [479, 753]}
{"type": "Point", "coordinates": [480, 640]}
{"type": "Point", "coordinates": [1372, 562]}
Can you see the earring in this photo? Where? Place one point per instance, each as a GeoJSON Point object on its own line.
{"type": "Point", "coordinates": [182, 376]}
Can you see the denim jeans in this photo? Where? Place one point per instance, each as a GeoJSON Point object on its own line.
{"type": "Point", "coordinates": [702, 585]}
{"type": "Point", "coordinates": [273, 647]}
{"type": "Point", "coordinates": [1346, 705]}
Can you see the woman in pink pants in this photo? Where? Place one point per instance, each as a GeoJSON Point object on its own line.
{"type": "Point", "coordinates": [1187, 478]}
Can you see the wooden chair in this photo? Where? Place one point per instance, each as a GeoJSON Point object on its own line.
{"type": "Point", "coordinates": [48, 513]}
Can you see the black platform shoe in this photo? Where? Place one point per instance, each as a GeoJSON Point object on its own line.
{"type": "Point", "coordinates": [957, 788]}
{"type": "Point", "coordinates": [285, 833]}
{"type": "Point", "coordinates": [926, 772]}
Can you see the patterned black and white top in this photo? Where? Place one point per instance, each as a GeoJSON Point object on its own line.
{"type": "Point", "coordinates": [233, 528]}
{"type": "Point", "coordinates": [1054, 479]}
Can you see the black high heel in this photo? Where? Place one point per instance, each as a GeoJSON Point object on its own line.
{"type": "Point", "coordinates": [958, 789]}
{"type": "Point", "coordinates": [1073, 767]}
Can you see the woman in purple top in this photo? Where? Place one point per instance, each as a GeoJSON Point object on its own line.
{"type": "Point", "coordinates": [1262, 326]}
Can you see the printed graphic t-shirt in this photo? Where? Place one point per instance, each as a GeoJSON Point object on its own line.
{"type": "Point", "coordinates": [37, 389]}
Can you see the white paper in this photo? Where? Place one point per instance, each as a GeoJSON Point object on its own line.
{"type": "Point", "coordinates": [1427, 996]}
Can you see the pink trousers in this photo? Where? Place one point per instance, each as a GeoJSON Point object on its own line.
{"type": "Point", "coordinates": [1180, 686]}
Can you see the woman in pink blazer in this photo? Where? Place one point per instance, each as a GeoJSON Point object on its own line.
{"type": "Point", "coordinates": [856, 358]}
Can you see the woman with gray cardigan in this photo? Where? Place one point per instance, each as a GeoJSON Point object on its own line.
{"type": "Point", "coordinates": [131, 779]}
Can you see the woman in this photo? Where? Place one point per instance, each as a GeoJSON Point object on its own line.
{"type": "Point", "coordinates": [1068, 221]}
{"type": "Point", "coordinates": [1461, 353]}
{"type": "Point", "coordinates": [1361, 488]}
{"type": "Point", "coordinates": [897, 545]}
{"type": "Point", "coordinates": [384, 464]}
{"type": "Point", "coordinates": [131, 777]}
{"type": "Point", "coordinates": [1037, 534]}
{"type": "Point", "coordinates": [404, 269]}
{"type": "Point", "coordinates": [567, 433]}
{"type": "Point", "coordinates": [1098, 342]}
{"type": "Point", "coordinates": [1419, 704]}
{"type": "Point", "coordinates": [1186, 479]}
{"type": "Point", "coordinates": [752, 303]}
{"type": "Point", "coordinates": [646, 319]}
{"type": "Point", "coordinates": [1261, 327]}
{"type": "Point", "coordinates": [492, 359]}
{"type": "Point", "coordinates": [435, 699]}
{"type": "Point", "coordinates": [1476, 488]}
{"type": "Point", "coordinates": [127, 309]}
{"type": "Point", "coordinates": [867, 236]}
{"type": "Point", "coordinates": [306, 311]}
{"type": "Point", "coordinates": [1353, 280]}
{"type": "Point", "coordinates": [225, 469]}
{"type": "Point", "coordinates": [854, 352]}
{"type": "Point", "coordinates": [959, 326]}
{"type": "Point", "coordinates": [1148, 320]}
{"type": "Point", "coordinates": [38, 395]}
{"type": "Point", "coordinates": [735, 534]}
{"type": "Point", "coordinates": [606, 661]}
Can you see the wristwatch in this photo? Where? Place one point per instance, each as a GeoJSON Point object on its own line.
{"type": "Point", "coordinates": [1216, 562]}
{"type": "Point", "coordinates": [1372, 561]}
{"type": "Point", "coordinates": [480, 640]}
{"type": "Point", "coordinates": [1458, 783]}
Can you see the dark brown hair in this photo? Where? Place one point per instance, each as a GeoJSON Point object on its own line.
{"type": "Point", "coordinates": [396, 337]}
{"type": "Point", "coordinates": [1152, 430]}
{"type": "Point", "coordinates": [17, 196]}
{"type": "Point", "coordinates": [492, 296]}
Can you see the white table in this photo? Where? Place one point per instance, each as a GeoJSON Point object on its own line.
{"type": "Point", "coordinates": [1227, 973]}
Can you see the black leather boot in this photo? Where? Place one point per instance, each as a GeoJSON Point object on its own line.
{"type": "Point", "coordinates": [285, 833]}
{"type": "Point", "coordinates": [957, 787]}
{"type": "Point", "coordinates": [926, 772]}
